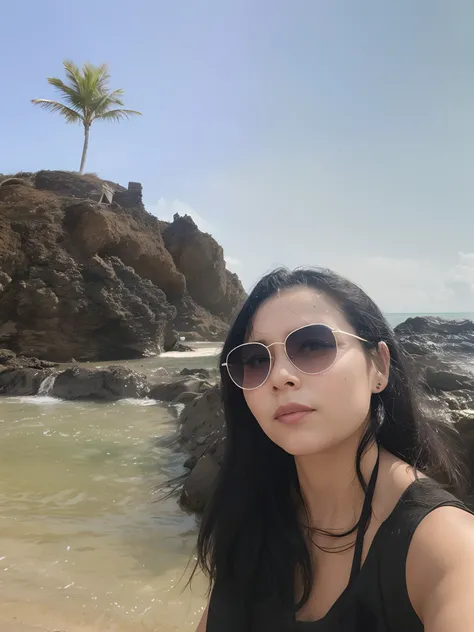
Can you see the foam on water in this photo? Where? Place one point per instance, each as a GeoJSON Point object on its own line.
{"type": "Point", "coordinates": [47, 385]}
{"type": "Point", "coordinates": [139, 402]}
{"type": "Point", "coordinates": [37, 400]}
{"type": "Point", "coordinates": [198, 353]}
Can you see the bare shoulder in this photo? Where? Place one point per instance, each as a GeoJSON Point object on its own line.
{"type": "Point", "coordinates": [395, 476]}
{"type": "Point", "coordinates": [440, 569]}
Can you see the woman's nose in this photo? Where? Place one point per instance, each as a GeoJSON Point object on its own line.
{"type": "Point", "coordinates": [283, 373]}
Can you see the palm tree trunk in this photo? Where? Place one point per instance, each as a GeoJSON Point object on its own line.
{"type": "Point", "coordinates": [84, 149]}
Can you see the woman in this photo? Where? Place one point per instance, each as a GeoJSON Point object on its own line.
{"type": "Point", "coordinates": [325, 514]}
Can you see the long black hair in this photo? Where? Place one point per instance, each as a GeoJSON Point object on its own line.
{"type": "Point", "coordinates": [250, 539]}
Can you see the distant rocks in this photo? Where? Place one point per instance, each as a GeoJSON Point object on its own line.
{"type": "Point", "coordinates": [442, 354]}
{"type": "Point", "coordinates": [437, 337]}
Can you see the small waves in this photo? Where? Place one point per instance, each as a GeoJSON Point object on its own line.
{"type": "Point", "coordinates": [198, 353]}
{"type": "Point", "coordinates": [38, 400]}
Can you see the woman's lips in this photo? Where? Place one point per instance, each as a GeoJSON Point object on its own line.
{"type": "Point", "coordinates": [293, 418]}
{"type": "Point", "coordinates": [292, 413]}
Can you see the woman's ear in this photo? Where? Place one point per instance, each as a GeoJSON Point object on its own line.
{"type": "Point", "coordinates": [381, 362]}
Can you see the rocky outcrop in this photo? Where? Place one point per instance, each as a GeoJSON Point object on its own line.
{"type": "Point", "coordinates": [168, 392]}
{"type": "Point", "coordinates": [200, 258]}
{"type": "Point", "coordinates": [93, 230]}
{"type": "Point", "coordinates": [29, 376]}
{"type": "Point", "coordinates": [20, 375]}
{"type": "Point", "coordinates": [437, 338]}
{"type": "Point", "coordinates": [442, 354]}
{"type": "Point", "coordinates": [72, 185]}
{"type": "Point", "coordinates": [203, 435]}
{"type": "Point", "coordinates": [10, 360]}
{"type": "Point", "coordinates": [87, 280]}
{"type": "Point", "coordinates": [112, 383]}
{"type": "Point", "coordinates": [196, 323]}
{"type": "Point", "coordinates": [17, 382]}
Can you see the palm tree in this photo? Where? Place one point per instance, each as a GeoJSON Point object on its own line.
{"type": "Point", "coordinates": [87, 99]}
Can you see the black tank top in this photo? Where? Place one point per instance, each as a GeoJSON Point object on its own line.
{"type": "Point", "coordinates": [376, 598]}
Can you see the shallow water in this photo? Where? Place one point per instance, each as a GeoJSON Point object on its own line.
{"type": "Point", "coordinates": [85, 541]}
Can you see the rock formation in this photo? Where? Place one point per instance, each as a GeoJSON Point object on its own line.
{"type": "Point", "coordinates": [87, 274]}
{"type": "Point", "coordinates": [20, 375]}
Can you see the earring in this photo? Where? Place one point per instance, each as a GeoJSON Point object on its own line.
{"type": "Point", "coordinates": [379, 385]}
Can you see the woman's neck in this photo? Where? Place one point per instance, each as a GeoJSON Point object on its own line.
{"type": "Point", "coordinates": [330, 485]}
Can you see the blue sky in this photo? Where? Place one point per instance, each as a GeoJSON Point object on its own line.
{"type": "Point", "coordinates": [297, 132]}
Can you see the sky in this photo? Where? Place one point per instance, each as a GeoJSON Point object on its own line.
{"type": "Point", "coordinates": [326, 133]}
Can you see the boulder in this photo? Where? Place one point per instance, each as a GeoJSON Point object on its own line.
{"type": "Point", "coordinates": [111, 383]}
{"type": "Point", "coordinates": [10, 360]}
{"type": "Point", "coordinates": [199, 484]}
{"type": "Point", "coordinates": [22, 381]}
{"type": "Point", "coordinates": [444, 338]}
{"type": "Point", "coordinates": [202, 421]}
{"type": "Point", "coordinates": [185, 398]}
{"type": "Point", "coordinates": [202, 373]}
{"type": "Point", "coordinates": [443, 380]}
{"type": "Point", "coordinates": [169, 391]}
{"type": "Point", "coordinates": [202, 432]}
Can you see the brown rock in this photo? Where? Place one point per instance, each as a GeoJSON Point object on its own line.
{"type": "Point", "coordinates": [196, 323]}
{"type": "Point", "coordinates": [200, 258]}
{"type": "Point", "coordinates": [201, 373]}
{"type": "Point", "coordinates": [169, 391]}
{"type": "Point", "coordinates": [202, 434]}
{"type": "Point", "coordinates": [185, 398]}
{"type": "Point", "coordinates": [199, 484]}
{"type": "Point", "coordinates": [93, 281]}
{"type": "Point", "coordinates": [10, 360]}
{"type": "Point", "coordinates": [93, 310]}
{"type": "Point", "coordinates": [71, 184]}
{"type": "Point", "coordinates": [440, 380]}
{"type": "Point", "coordinates": [95, 230]}
{"type": "Point", "coordinates": [21, 382]}
{"type": "Point", "coordinates": [112, 383]}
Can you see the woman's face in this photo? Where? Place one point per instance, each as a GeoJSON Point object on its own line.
{"type": "Point", "coordinates": [338, 399]}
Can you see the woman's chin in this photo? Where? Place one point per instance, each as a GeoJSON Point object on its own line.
{"type": "Point", "coordinates": [299, 446]}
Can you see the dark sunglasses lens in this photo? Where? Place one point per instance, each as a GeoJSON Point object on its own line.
{"type": "Point", "coordinates": [249, 365]}
{"type": "Point", "coordinates": [312, 349]}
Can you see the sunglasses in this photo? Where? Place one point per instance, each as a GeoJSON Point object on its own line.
{"type": "Point", "coordinates": [311, 349]}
